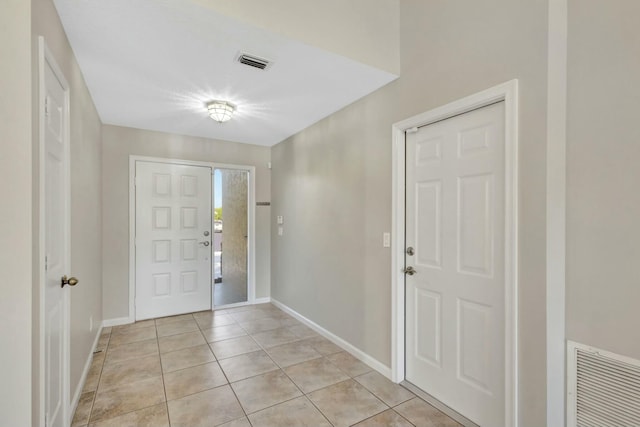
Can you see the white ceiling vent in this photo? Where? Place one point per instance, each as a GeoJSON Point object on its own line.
{"type": "Point", "coordinates": [603, 388]}
{"type": "Point", "coordinates": [253, 61]}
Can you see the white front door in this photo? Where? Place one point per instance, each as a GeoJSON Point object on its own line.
{"type": "Point", "coordinates": [173, 239]}
{"type": "Point", "coordinates": [56, 244]}
{"type": "Point", "coordinates": [455, 231]}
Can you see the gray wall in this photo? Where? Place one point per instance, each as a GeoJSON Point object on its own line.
{"type": "Point", "coordinates": [332, 182]}
{"type": "Point", "coordinates": [15, 213]}
{"type": "Point", "coordinates": [86, 187]}
{"type": "Point", "coordinates": [118, 144]}
{"type": "Point", "coordinates": [603, 200]}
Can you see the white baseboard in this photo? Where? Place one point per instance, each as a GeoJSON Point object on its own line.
{"type": "Point", "coordinates": [356, 352]}
{"type": "Point", "coordinates": [262, 300]}
{"type": "Point", "coordinates": [85, 372]}
{"type": "Point", "coordinates": [117, 322]}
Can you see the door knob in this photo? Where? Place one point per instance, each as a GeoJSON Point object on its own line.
{"type": "Point", "coordinates": [205, 243]}
{"type": "Point", "coordinates": [71, 281]}
{"type": "Point", "coordinates": [409, 270]}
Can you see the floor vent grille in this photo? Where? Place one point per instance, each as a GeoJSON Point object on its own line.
{"type": "Point", "coordinates": [603, 388]}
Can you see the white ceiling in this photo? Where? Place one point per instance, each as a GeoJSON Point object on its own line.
{"type": "Point", "coordinates": [153, 64]}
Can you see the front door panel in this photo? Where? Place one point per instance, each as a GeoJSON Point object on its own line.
{"type": "Point", "coordinates": [173, 239]}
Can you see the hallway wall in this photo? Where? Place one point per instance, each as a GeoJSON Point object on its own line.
{"type": "Point", "coordinates": [118, 144]}
{"type": "Point", "coordinates": [332, 181]}
{"type": "Point", "coordinates": [15, 213]}
{"type": "Point", "coordinates": [603, 201]}
{"type": "Point", "coordinates": [86, 187]}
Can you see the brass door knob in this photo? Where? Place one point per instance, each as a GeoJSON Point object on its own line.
{"type": "Point", "coordinates": [71, 281]}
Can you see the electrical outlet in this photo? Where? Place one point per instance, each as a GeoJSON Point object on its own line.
{"type": "Point", "coordinates": [386, 240]}
{"type": "Point", "coordinates": [280, 231]}
{"type": "Point", "coordinates": [90, 323]}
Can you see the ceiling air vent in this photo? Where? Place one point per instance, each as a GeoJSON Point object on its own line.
{"type": "Point", "coordinates": [254, 61]}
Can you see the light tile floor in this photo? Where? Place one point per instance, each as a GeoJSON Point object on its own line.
{"type": "Point", "coordinates": [247, 366]}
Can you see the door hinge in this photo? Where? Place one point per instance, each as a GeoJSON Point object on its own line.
{"type": "Point", "coordinates": [46, 263]}
{"type": "Point", "coordinates": [46, 420]}
{"type": "Point", "coordinates": [46, 106]}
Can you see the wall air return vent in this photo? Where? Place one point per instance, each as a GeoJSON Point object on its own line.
{"type": "Point", "coordinates": [603, 388]}
{"type": "Point", "coordinates": [254, 61]}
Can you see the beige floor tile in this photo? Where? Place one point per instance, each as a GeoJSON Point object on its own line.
{"type": "Point", "coordinates": [135, 325]}
{"type": "Point", "coordinates": [302, 331]}
{"type": "Point", "coordinates": [346, 403]}
{"type": "Point", "coordinates": [265, 390]}
{"type": "Point", "coordinates": [127, 398]}
{"type": "Point", "coordinates": [205, 409]}
{"type": "Point", "coordinates": [180, 341]}
{"type": "Point", "coordinates": [240, 422]}
{"type": "Point", "coordinates": [178, 327]}
{"type": "Point", "coordinates": [128, 371]}
{"type": "Point", "coordinates": [385, 390]}
{"type": "Point", "coordinates": [420, 413]}
{"type": "Point", "coordinates": [83, 410]}
{"type": "Point", "coordinates": [132, 335]}
{"type": "Point", "coordinates": [186, 358]}
{"type": "Point", "coordinates": [315, 374]}
{"type": "Point", "coordinates": [211, 320]}
{"type": "Point", "coordinates": [236, 309]}
{"type": "Point", "coordinates": [275, 337]}
{"type": "Point", "coordinates": [233, 347]}
{"type": "Point", "coordinates": [298, 412]}
{"type": "Point", "coordinates": [154, 416]}
{"type": "Point", "coordinates": [287, 320]}
{"type": "Point", "coordinates": [323, 345]}
{"type": "Point", "coordinates": [170, 319]}
{"type": "Point", "coordinates": [192, 380]}
{"type": "Point", "coordinates": [388, 418]}
{"type": "Point", "coordinates": [349, 364]}
{"type": "Point", "coordinates": [220, 333]}
{"type": "Point", "coordinates": [249, 315]}
{"type": "Point", "coordinates": [247, 365]}
{"type": "Point", "coordinates": [292, 353]}
{"type": "Point", "coordinates": [131, 351]}
{"type": "Point", "coordinates": [261, 325]}
{"type": "Point", "coordinates": [93, 376]}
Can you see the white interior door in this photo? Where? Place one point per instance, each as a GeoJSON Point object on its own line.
{"type": "Point", "coordinates": [455, 301]}
{"type": "Point", "coordinates": [56, 244]}
{"type": "Point", "coordinates": [173, 239]}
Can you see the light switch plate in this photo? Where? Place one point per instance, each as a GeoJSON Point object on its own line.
{"type": "Point", "coordinates": [280, 219]}
{"type": "Point", "coordinates": [280, 231]}
{"type": "Point", "coordinates": [386, 240]}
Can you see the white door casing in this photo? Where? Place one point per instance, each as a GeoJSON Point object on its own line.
{"type": "Point", "coordinates": [54, 240]}
{"type": "Point", "coordinates": [173, 239]}
{"type": "Point", "coordinates": [455, 222]}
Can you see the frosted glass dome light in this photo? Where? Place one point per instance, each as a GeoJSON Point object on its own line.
{"type": "Point", "coordinates": [221, 111]}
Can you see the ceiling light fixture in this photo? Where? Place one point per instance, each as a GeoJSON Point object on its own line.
{"type": "Point", "coordinates": [221, 111]}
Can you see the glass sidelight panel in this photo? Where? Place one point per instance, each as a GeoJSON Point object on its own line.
{"type": "Point", "coordinates": [231, 229]}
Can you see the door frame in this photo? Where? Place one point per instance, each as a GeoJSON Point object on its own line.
{"type": "Point", "coordinates": [251, 256]}
{"type": "Point", "coordinates": [507, 92]}
{"type": "Point", "coordinates": [45, 56]}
